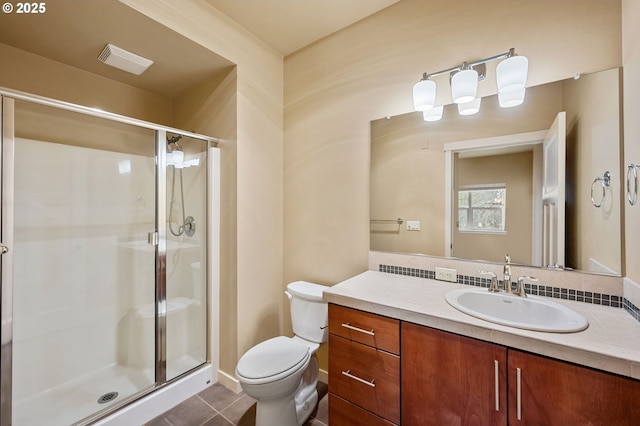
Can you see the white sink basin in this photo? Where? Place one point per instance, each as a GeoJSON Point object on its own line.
{"type": "Point", "coordinates": [530, 313]}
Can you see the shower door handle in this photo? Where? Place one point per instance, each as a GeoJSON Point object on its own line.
{"type": "Point", "coordinates": [153, 238]}
{"type": "Point", "coordinates": [3, 249]}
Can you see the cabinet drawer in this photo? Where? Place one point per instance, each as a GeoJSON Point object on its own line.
{"type": "Point", "coordinates": [366, 376]}
{"type": "Point", "coordinates": [343, 413]}
{"type": "Point", "coordinates": [370, 329]}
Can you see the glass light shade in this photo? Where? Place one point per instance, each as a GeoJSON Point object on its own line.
{"type": "Point", "coordinates": [469, 108]}
{"type": "Point", "coordinates": [424, 95]}
{"type": "Point", "coordinates": [192, 162]}
{"type": "Point", "coordinates": [433, 114]}
{"type": "Point", "coordinates": [511, 74]}
{"type": "Point", "coordinates": [174, 158]}
{"type": "Point", "coordinates": [124, 167]}
{"type": "Point", "coordinates": [511, 99]}
{"type": "Point", "coordinates": [464, 85]}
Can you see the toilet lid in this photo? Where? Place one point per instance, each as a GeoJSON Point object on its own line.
{"type": "Point", "coordinates": [272, 357]}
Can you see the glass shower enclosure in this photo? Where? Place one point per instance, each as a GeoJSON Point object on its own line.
{"type": "Point", "coordinates": [104, 278]}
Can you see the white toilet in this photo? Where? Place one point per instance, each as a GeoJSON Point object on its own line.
{"type": "Point", "coordinates": [282, 373]}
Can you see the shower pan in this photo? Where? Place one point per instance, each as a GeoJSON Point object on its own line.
{"type": "Point", "coordinates": [106, 294]}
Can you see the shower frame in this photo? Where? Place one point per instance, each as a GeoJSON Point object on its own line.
{"type": "Point", "coordinates": [158, 237]}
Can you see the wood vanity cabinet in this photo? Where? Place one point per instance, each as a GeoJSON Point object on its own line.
{"type": "Point", "coordinates": [364, 368]}
{"type": "Point", "coordinates": [449, 379]}
{"type": "Point", "coordinates": [554, 392]}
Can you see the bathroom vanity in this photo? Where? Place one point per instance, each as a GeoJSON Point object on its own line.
{"type": "Point", "coordinates": [399, 354]}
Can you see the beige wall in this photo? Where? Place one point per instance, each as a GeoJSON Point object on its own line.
{"type": "Point", "coordinates": [516, 172]}
{"type": "Point", "coordinates": [631, 60]}
{"type": "Point", "coordinates": [24, 71]}
{"type": "Point", "coordinates": [332, 90]}
{"type": "Point", "coordinates": [593, 119]}
{"type": "Point", "coordinates": [335, 87]}
{"type": "Point", "coordinates": [211, 109]}
{"type": "Point", "coordinates": [407, 181]}
{"type": "Point", "coordinates": [258, 293]}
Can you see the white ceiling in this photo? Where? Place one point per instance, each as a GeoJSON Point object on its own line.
{"type": "Point", "coordinates": [289, 25]}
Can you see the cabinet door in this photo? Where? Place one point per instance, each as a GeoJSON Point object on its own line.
{"type": "Point", "coordinates": [451, 380]}
{"type": "Point", "coordinates": [543, 391]}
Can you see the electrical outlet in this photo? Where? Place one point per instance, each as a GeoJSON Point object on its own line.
{"type": "Point", "coordinates": [446, 274]}
{"type": "Point", "coordinates": [413, 225]}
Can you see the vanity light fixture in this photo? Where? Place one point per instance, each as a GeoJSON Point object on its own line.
{"type": "Point", "coordinates": [424, 94]}
{"type": "Point", "coordinates": [469, 108]}
{"type": "Point", "coordinates": [464, 85]}
{"type": "Point", "coordinates": [511, 99]}
{"type": "Point", "coordinates": [511, 76]}
{"type": "Point", "coordinates": [433, 114]}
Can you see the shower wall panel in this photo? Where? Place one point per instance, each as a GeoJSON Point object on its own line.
{"type": "Point", "coordinates": [81, 265]}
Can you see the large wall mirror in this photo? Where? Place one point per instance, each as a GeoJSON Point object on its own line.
{"type": "Point", "coordinates": [477, 187]}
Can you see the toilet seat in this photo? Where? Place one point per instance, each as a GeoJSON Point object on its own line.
{"type": "Point", "coordinates": [272, 360]}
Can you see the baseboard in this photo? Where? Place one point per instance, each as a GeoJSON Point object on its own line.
{"type": "Point", "coordinates": [229, 382]}
{"type": "Point", "coordinates": [323, 376]}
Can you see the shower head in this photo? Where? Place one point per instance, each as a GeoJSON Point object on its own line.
{"type": "Point", "coordinates": [172, 143]}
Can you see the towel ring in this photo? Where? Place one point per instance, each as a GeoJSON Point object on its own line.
{"type": "Point", "coordinates": [605, 182]}
{"type": "Point", "coordinates": [633, 198]}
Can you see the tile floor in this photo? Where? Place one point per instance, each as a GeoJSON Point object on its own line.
{"type": "Point", "coordinates": [218, 406]}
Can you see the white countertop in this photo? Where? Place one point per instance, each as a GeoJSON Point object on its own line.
{"type": "Point", "coordinates": [610, 343]}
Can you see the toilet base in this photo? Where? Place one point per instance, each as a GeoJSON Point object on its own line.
{"type": "Point", "coordinates": [303, 410]}
{"type": "Point", "coordinates": [276, 412]}
{"type": "Point", "coordinates": [285, 413]}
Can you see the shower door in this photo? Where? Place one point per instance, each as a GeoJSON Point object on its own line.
{"type": "Point", "coordinates": [105, 223]}
{"type": "Point", "coordinates": [83, 196]}
{"type": "Point", "coordinates": [185, 265]}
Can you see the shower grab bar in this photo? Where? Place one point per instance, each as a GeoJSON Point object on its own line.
{"type": "Point", "coordinates": [605, 181]}
{"type": "Point", "coordinates": [399, 221]}
{"type": "Point", "coordinates": [633, 198]}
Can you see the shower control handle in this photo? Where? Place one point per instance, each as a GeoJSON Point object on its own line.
{"type": "Point", "coordinates": [3, 249]}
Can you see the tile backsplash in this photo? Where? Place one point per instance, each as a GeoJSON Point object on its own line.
{"type": "Point", "coordinates": [567, 285]}
{"type": "Point", "coordinates": [533, 289]}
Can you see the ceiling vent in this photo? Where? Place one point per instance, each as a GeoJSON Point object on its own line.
{"type": "Point", "coordinates": [124, 60]}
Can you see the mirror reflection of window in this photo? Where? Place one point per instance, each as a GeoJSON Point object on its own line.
{"type": "Point", "coordinates": [482, 208]}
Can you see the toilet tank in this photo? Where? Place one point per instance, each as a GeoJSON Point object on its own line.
{"type": "Point", "coordinates": [309, 313]}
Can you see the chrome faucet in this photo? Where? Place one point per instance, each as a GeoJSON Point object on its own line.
{"type": "Point", "coordinates": [506, 274]}
{"type": "Point", "coordinates": [520, 285]}
{"type": "Point", "coordinates": [493, 287]}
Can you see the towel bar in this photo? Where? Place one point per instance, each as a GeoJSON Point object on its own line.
{"type": "Point", "coordinates": [399, 221]}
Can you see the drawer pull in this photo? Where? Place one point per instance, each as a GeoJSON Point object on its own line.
{"type": "Point", "coordinates": [519, 393]}
{"type": "Point", "coordinates": [350, 327]}
{"type": "Point", "coordinates": [348, 374]}
{"type": "Point", "coordinates": [496, 369]}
